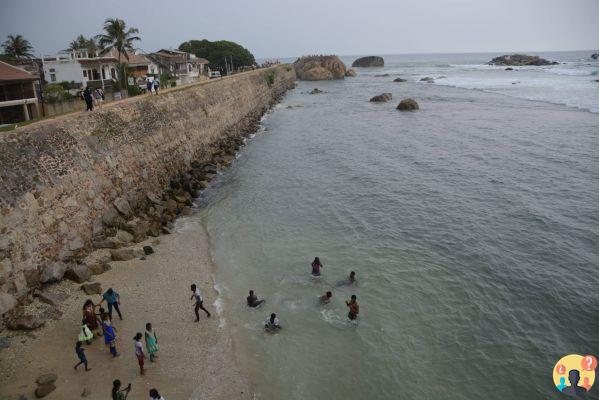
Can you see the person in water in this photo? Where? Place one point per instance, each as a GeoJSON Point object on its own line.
{"type": "Point", "coordinates": [354, 308]}
{"type": "Point", "coordinates": [574, 390]}
{"type": "Point", "coordinates": [272, 323]}
{"type": "Point", "coordinates": [81, 354]}
{"type": "Point", "coordinates": [253, 301]}
{"type": "Point", "coordinates": [352, 277]}
{"type": "Point", "coordinates": [316, 266]}
{"type": "Point", "coordinates": [199, 302]}
{"type": "Point", "coordinates": [326, 298]}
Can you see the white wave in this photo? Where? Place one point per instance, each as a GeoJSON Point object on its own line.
{"type": "Point", "coordinates": [218, 304]}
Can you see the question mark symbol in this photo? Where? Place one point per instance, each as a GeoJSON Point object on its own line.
{"type": "Point", "coordinates": [561, 369]}
{"type": "Point", "coordinates": [589, 363]}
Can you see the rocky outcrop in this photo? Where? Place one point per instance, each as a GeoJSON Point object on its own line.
{"type": "Point", "coordinates": [595, 56]}
{"type": "Point", "coordinates": [350, 72]}
{"type": "Point", "coordinates": [370, 61]}
{"type": "Point", "coordinates": [92, 288]}
{"type": "Point", "coordinates": [408, 105]}
{"type": "Point", "coordinates": [520, 60]}
{"type": "Point", "coordinates": [382, 98]}
{"type": "Point", "coordinates": [315, 91]}
{"type": "Point", "coordinates": [427, 79]}
{"type": "Point", "coordinates": [319, 68]}
{"type": "Point", "coordinates": [399, 80]}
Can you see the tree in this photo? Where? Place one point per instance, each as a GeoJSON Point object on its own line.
{"type": "Point", "coordinates": [17, 47]}
{"type": "Point", "coordinates": [82, 43]}
{"type": "Point", "coordinates": [120, 38]}
{"type": "Point", "coordinates": [219, 51]}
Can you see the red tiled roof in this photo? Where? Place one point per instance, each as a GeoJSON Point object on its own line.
{"type": "Point", "coordinates": [11, 73]}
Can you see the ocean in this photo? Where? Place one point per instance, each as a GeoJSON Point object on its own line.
{"type": "Point", "coordinates": [472, 225]}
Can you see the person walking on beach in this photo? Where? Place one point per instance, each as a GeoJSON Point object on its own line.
{"type": "Point", "coordinates": [199, 302]}
{"type": "Point", "coordinates": [149, 86]}
{"type": "Point", "coordinates": [89, 314]}
{"type": "Point", "coordinates": [316, 266]}
{"type": "Point", "coordinates": [154, 395]}
{"type": "Point", "coordinates": [156, 85]}
{"type": "Point", "coordinates": [326, 298]}
{"type": "Point", "coordinates": [85, 335]}
{"type": "Point", "coordinates": [117, 393]}
{"type": "Point", "coordinates": [139, 352]}
{"type": "Point", "coordinates": [89, 101]}
{"type": "Point", "coordinates": [98, 97]}
{"type": "Point", "coordinates": [354, 308]}
{"type": "Point", "coordinates": [151, 342]}
{"type": "Point", "coordinates": [113, 299]}
{"type": "Point", "coordinates": [109, 335]}
{"type": "Point", "coordinates": [272, 323]}
{"type": "Point", "coordinates": [81, 354]}
{"type": "Point", "coordinates": [253, 301]}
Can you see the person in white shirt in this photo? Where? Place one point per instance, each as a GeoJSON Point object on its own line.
{"type": "Point", "coordinates": [154, 395]}
{"type": "Point", "coordinates": [199, 302]}
{"type": "Point", "coordinates": [139, 352]}
{"type": "Point", "coordinates": [272, 323]}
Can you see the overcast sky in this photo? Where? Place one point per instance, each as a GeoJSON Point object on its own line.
{"type": "Point", "coordinates": [282, 28]}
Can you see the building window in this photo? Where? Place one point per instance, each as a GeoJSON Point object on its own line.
{"type": "Point", "coordinates": [112, 73]}
{"type": "Point", "coordinates": [52, 77]}
{"type": "Point", "coordinates": [84, 73]}
{"type": "Point", "coordinates": [103, 73]}
{"type": "Point", "coordinates": [189, 67]}
{"type": "Point", "coordinates": [52, 70]}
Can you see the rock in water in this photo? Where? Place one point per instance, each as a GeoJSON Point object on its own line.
{"type": "Point", "coordinates": [46, 379]}
{"type": "Point", "coordinates": [509, 69]}
{"type": "Point", "coordinates": [370, 61]}
{"type": "Point", "coordinates": [399, 80]}
{"type": "Point", "coordinates": [318, 68]}
{"type": "Point", "coordinates": [427, 79]}
{"type": "Point", "coordinates": [381, 98]}
{"type": "Point", "coordinates": [92, 288]}
{"type": "Point", "coordinates": [595, 56]}
{"type": "Point", "coordinates": [315, 91]}
{"type": "Point", "coordinates": [350, 72]}
{"type": "Point", "coordinates": [520, 59]}
{"type": "Point", "coordinates": [408, 105]}
{"type": "Point", "coordinates": [44, 390]}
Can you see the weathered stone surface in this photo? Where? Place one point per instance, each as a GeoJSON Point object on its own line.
{"type": "Point", "coordinates": [7, 302]}
{"type": "Point", "coordinates": [382, 98]}
{"type": "Point", "coordinates": [370, 61]}
{"type": "Point", "coordinates": [4, 343]}
{"type": "Point", "coordinates": [54, 299]}
{"type": "Point", "coordinates": [46, 379]}
{"type": "Point", "coordinates": [92, 288]}
{"type": "Point", "coordinates": [44, 390]}
{"type": "Point", "coordinates": [318, 68]}
{"type": "Point", "coordinates": [125, 254]}
{"type": "Point", "coordinates": [122, 206]}
{"type": "Point", "coordinates": [78, 273]}
{"type": "Point", "coordinates": [171, 205]}
{"type": "Point", "coordinates": [154, 198]}
{"type": "Point", "coordinates": [53, 272]}
{"type": "Point", "coordinates": [25, 322]}
{"type": "Point", "coordinates": [109, 243]}
{"type": "Point", "coordinates": [123, 236]}
{"type": "Point", "coordinates": [350, 72]}
{"type": "Point", "coordinates": [315, 91]}
{"type": "Point", "coordinates": [520, 59]}
{"type": "Point", "coordinates": [98, 268]}
{"type": "Point", "coordinates": [408, 105]}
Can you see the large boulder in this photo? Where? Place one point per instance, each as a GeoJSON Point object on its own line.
{"type": "Point", "coordinates": [520, 59]}
{"type": "Point", "coordinates": [370, 61]}
{"type": "Point", "coordinates": [44, 390]}
{"type": "Point", "coordinates": [78, 273]}
{"type": "Point", "coordinates": [125, 254]}
{"type": "Point", "coordinates": [25, 322]}
{"type": "Point", "coordinates": [350, 72]}
{"type": "Point", "coordinates": [399, 80]}
{"type": "Point", "coordinates": [318, 68]}
{"type": "Point", "coordinates": [54, 299]}
{"type": "Point", "coordinates": [408, 105]}
{"type": "Point", "coordinates": [382, 98]}
{"type": "Point", "coordinates": [53, 272]}
{"type": "Point", "coordinates": [7, 302]}
{"type": "Point", "coordinates": [92, 288]}
{"type": "Point", "coordinates": [46, 379]}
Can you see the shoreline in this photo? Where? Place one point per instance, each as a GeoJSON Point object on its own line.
{"type": "Point", "coordinates": [194, 359]}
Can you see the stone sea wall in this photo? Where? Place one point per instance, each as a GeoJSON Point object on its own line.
{"type": "Point", "coordinates": [112, 177]}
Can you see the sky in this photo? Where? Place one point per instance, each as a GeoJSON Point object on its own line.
{"type": "Point", "coordinates": [284, 28]}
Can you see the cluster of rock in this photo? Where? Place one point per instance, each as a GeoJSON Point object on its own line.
{"type": "Point", "coordinates": [520, 60]}
{"type": "Point", "coordinates": [382, 98]}
{"type": "Point", "coordinates": [350, 72]}
{"type": "Point", "coordinates": [319, 68]}
{"type": "Point", "coordinates": [369, 61]}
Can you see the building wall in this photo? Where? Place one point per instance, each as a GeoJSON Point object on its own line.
{"type": "Point", "coordinates": [64, 71]}
{"type": "Point", "coordinates": [60, 179]}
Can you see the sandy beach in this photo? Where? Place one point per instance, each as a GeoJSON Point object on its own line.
{"type": "Point", "coordinates": [196, 360]}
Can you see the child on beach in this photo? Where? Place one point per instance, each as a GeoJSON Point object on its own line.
{"type": "Point", "coordinates": [81, 354]}
{"type": "Point", "coordinates": [85, 335]}
{"type": "Point", "coordinates": [139, 352]}
{"type": "Point", "coordinates": [151, 342]}
{"type": "Point", "coordinates": [109, 334]}
{"type": "Point", "coordinates": [316, 266]}
{"type": "Point", "coordinates": [154, 395]}
{"type": "Point", "coordinates": [199, 302]}
{"type": "Point", "coordinates": [354, 308]}
{"type": "Point", "coordinates": [89, 314]}
{"type": "Point", "coordinates": [117, 392]}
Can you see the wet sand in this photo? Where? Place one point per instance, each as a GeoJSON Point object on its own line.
{"type": "Point", "coordinates": [196, 360]}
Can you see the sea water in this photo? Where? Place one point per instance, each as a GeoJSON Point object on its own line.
{"type": "Point", "coordinates": [472, 225]}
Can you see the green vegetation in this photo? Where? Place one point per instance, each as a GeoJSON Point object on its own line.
{"type": "Point", "coordinates": [270, 78]}
{"type": "Point", "coordinates": [55, 92]}
{"type": "Point", "coordinates": [133, 90]}
{"type": "Point", "coordinates": [83, 43]}
{"type": "Point", "coordinates": [17, 47]}
{"type": "Point", "coordinates": [18, 124]}
{"type": "Point", "coordinates": [219, 51]}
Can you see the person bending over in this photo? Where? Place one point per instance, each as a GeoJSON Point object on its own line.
{"type": "Point", "coordinates": [253, 301]}
{"type": "Point", "coordinates": [326, 298]}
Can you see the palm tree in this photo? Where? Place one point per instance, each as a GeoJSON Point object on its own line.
{"type": "Point", "coordinates": [17, 47]}
{"type": "Point", "coordinates": [82, 43]}
{"type": "Point", "coordinates": [118, 37]}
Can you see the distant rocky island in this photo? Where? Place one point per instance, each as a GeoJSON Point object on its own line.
{"type": "Point", "coordinates": [370, 61]}
{"type": "Point", "coordinates": [319, 68]}
{"type": "Point", "coordinates": [595, 56]}
{"type": "Point", "coordinates": [520, 60]}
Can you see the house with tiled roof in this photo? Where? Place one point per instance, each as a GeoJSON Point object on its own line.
{"type": "Point", "coordinates": [183, 66]}
{"type": "Point", "coordinates": [18, 97]}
